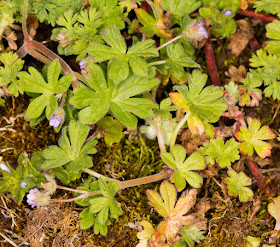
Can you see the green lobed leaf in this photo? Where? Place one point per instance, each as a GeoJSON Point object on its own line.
{"type": "Point", "coordinates": [204, 102]}
{"type": "Point", "coordinates": [224, 154]}
{"type": "Point", "coordinates": [116, 98]}
{"type": "Point", "coordinates": [236, 183]}
{"type": "Point", "coordinates": [87, 219]}
{"type": "Point", "coordinates": [34, 82]}
{"type": "Point", "coordinates": [180, 8]}
{"type": "Point", "coordinates": [120, 58]}
{"type": "Point", "coordinates": [111, 13]}
{"type": "Point", "coordinates": [9, 72]}
{"type": "Point", "coordinates": [184, 167]}
{"type": "Point", "coordinates": [71, 151]}
{"type": "Point", "coordinates": [252, 138]}
{"type": "Point", "coordinates": [192, 234]}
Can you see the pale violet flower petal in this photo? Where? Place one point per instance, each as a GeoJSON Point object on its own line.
{"type": "Point", "coordinates": [31, 196]}
{"type": "Point", "coordinates": [23, 184]}
{"type": "Point", "coordinates": [82, 64]}
{"type": "Point", "coordinates": [4, 214]}
{"type": "Point", "coordinates": [4, 167]}
{"type": "Point", "coordinates": [228, 13]}
{"type": "Point", "coordinates": [196, 31]}
{"type": "Point", "coordinates": [55, 121]}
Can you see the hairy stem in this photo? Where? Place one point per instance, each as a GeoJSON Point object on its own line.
{"type": "Point", "coordinates": [171, 41]}
{"type": "Point", "coordinates": [157, 62]}
{"type": "Point", "coordinates": [84, 195]}
{"type": "Point", "coordinates": [160, 136]}
{"type": "Point", "coordinates": [176, 131]}
{"type": "Point", "coordinates": [256, 173]}
{"type": "Point", "coordinates": [69, 189]}
{"type": "Point", "coordinates": [24, 18]}
{"type": "Point", "coordinates": [145, 180]}
{"type": "Point", "coordinates": [252, 13]}
{"type": "Point", "coordinates": [210, 58]}
{"type": "Point", "coordinates": [97, 175]}
{"type": "Point", "coordinates": [125, 184]}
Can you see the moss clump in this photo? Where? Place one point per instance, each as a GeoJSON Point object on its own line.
{"type": "Point", "coordinates": [129, 159]}
{"type": "Point", "coordinates": [19, 136]}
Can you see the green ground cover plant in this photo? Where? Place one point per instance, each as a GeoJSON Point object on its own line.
{"type": "Point", "coordinates": [138, 66]}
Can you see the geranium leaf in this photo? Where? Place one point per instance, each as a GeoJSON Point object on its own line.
{"type": "Point", "coordinates": [252, 137]}
{"type": "Point", "coordinates": [236, 183]}
{"type": "Point", "coordinates": [224, 154]}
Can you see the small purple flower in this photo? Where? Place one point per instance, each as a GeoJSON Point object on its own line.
{"type": "Point", "coordinates": [228, 13]}
{"type": "Point", "coordinates": [56, 120]}
{"type": "Point", "coordinates": [201, 30]}
{"type": "Point", "coordinates": [196, 31]}
{"type": "Point", "coordinates": [23, 185]}
{"type": "Point", "coordinates": [4, 167]}
{"type": "Point", "coordinates": [82, 64]}
{"type": "Point", "coordinates": [4, 214]}
{"type": "Point", "coordinates": [36, 198]}
{"type": "Point", "coordinates": [31, 196]}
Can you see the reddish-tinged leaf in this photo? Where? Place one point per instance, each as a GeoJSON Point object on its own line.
{"type": "Point", "coordinates": [184, 204]}
{"type": "Point", "coordinates": [159, 236]}
{"type": "Point", "coordinates": [146, 234]}
{"type": "Point", "coordinates": [195, 125]}
{"type": "Point", "coordinates": [177, 99]}
{"type": "Point", "coordinates": [156, 201]}
{"type": "Point", "coordinates": [266, 133]}
{"type": "Point", "coordinates": [164, 202]}
{"type": "Point", "coordinates": [263, 149]}
{"type": "Point", "coordinates": [168, 194]}
{"type": "Point", "coordinates": [252, 137]}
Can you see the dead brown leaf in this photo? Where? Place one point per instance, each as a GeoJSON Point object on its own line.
{"type": "Point", "coordinates": [11, 37]}
{"type": "Point", "coordinates": [262, 162]}
{"type": "Point", "coordinates": [192, 144]}
{"type": "Point", "coordinates": [240, 39]}
{"type": "Point", "coordinates": [236, 74]}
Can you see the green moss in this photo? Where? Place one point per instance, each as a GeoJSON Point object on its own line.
{"type": "Point", "coordinates": [129, 159]}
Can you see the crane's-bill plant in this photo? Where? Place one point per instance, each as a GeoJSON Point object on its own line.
{"type": "Point", "coordinates": [184, 167]}
{"type": "Point", "coordinates": [120, 82]}
{"type": "Point", "coordinates": [71, 155]}
{"type": "Point", "coordinates": [47, 87]}
{"type": "Point", "coordinates": [251, 138]}
{"type": "Point", "coordinates": [121, 59]}
{"type": "Point", "coordinates": [101, 208]}
{"type": "Point", "coordinates": [223, 153]}
{"type": "Point", "coordinates": [103, 95]}
{"type": "Point", "coordinates": [205, 105]}
{"type": "Point", "coordinates": [237, 185]}
{"type": "Point", "coordinates": [9, 72]}
{"type": "Point", "coordinates": [173, 213]}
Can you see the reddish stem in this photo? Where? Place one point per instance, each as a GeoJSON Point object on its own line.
{"type": "Point", "coordinates": [254, 44]}
{"type": "Point", "coordinates": [252, 13]}
{"type": "Point", "coordinates": [49, 54]}
{"type": "Point", "coordinates": [145, 6]}
{"type": "Point", "coordinates": [211, 63]}
{"type": "Point", "coordinates": [256, 173]}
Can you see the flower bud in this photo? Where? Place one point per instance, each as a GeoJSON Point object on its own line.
{"type": "Point", "coordinates": [50, 186]}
